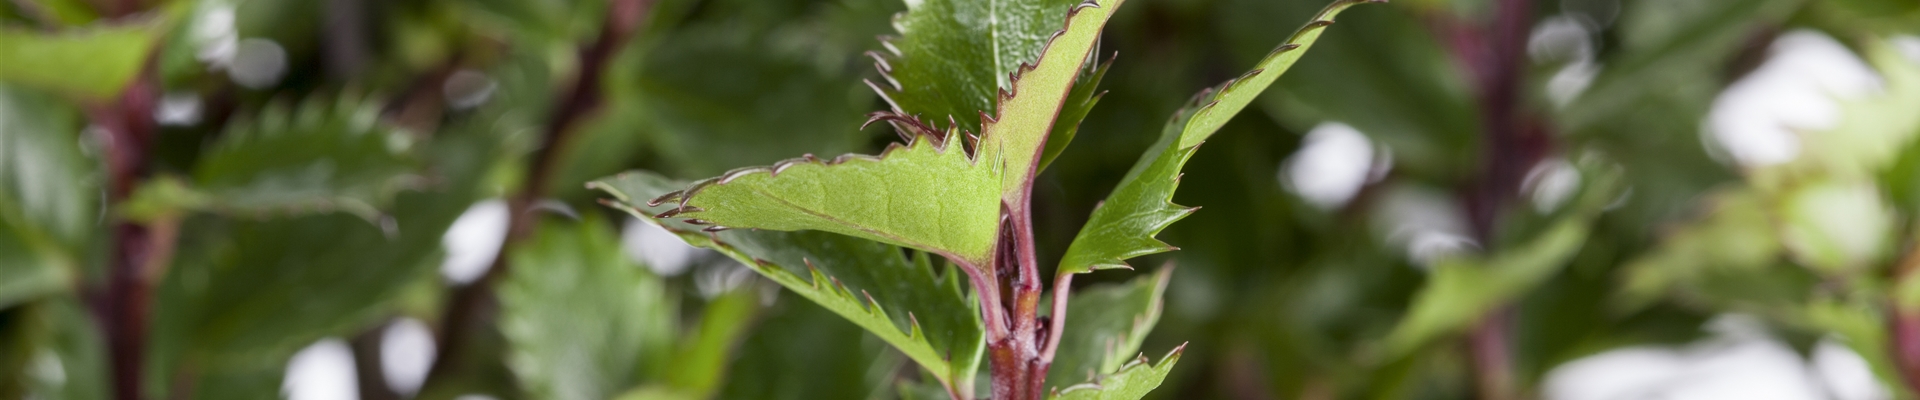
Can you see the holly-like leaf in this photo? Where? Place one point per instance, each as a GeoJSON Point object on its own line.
{"type": "Point", "coordinates": [316, 156]}
{"type": "Point", "coordinates": [94, 63]}
{"type": "Point", "coordinates": [1133, 381]}
{"type": "Point", "coordinates": [926, 194]}
{"type": "Point", "coordinates": [580, 316]}
{"type": "Point", "coordinates": [1105, 326]}
{"type": "Point", "coordinates": [49, 196]}
{"type": "Point", "coordinates": [953, 57]}
{"type": "Point", "coordinates": [1124, 225]}
{"type": "Point", "coordinates": [927, 316]}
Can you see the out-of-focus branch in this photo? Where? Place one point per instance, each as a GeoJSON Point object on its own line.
{"type": "Point", "coordinates": [367, 370]}
{"type": "Point", "coordinates": [473, 305]}
{"type": "Point", "coordinates": [140, 252]}
{"type": "Point", "coordinates": [1511, 143]}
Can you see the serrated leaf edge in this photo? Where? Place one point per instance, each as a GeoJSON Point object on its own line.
{"type": "Point", "coordinates": [829, 292]}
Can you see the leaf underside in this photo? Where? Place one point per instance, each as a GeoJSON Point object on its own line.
{"type": "Point", "coordinates": [1132, 382]}
{"type": "Point", "coordinates": [1141, 206]}
{"type": "Point", "coordinates": [927, 316]}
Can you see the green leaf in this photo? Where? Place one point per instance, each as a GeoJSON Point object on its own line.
{"type": "Point", "coordinates": [1085, 95]}
{"type": "Point", "coordinates": [242, 295]}
{"type": "Point", "coordinates": [925, 194]}
{"type": "Point", "coordinates": [1013, 137]}
{"type": "Point", "coordinates": [49, 196]}
{"type": "Point", "coordinates": [953, 57]}
{"type": "Point", "coordinates": [700, 364]}
{"type": "Point", "coordinates": [921, 195]}
{"type": "Point", "coordinates": [94, 63]}
{"type": "Point", "coordinates": [1461, 290]}
{"type": "Point", "coordinates": [927, 316]}
{"type": "Point", "coordinates": [1124, 225]}
{"type": "Point", "coordinates": [1105, 325]}
{"type": "Point", "coordinates": [316, 156]}
{"type": "Point", "coordinates": [1133, 381]}
{"type": "Point", "coordinates": [580, 317]}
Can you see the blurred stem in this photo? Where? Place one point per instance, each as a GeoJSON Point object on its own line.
{"type": "Point", "coordinates": [367, 370]}
{"type": "Point", "coordinates": [1492, 358]}
{"type": "Point", "coordinates": [1511, 144]}
{"type": "Point", "coordinates": [473, 305]}
{"type": "Point", "coordinates": [1905, 326]}
{"type": "Point", "coordinates": [140, 251]}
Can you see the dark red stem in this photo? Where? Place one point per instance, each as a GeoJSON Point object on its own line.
{"type": "Point", "coordinates": [126, 130]}
{"type": "Point", "coordinates": [1511, 144]}
{"type": "Point", "coordinates": [473, 304]}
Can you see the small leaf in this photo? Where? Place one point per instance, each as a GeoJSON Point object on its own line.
{"type": "Point", "coordinates": [580, 317]}
{"type": "Point", "coordinates": [1124, 225]}
{"type": "Point", "coordinates": [94, 63]}
{"type": "Point", "coordinates": [927, 316]}
{"type": "Point", "coordinates": [317, 156]}
{"type": "Point", "coordinates": [1105, 325]}
{"type": "Point", "coordinates": [1133, 381]}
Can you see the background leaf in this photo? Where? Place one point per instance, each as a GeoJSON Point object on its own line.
{"type": "Point", "coordinates": [49, 197]}
{"type": "Point", "coordinates": [555, 304]}
{"type": "Point", "coordinates": [95, 63]}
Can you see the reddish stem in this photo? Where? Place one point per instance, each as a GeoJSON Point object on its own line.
{"type": "Point", "coordinates": [471, 304]}
{"type": "Point", "coordinates": [1511, 144]}
{"type": "Point", "coordinates": [139, 252]}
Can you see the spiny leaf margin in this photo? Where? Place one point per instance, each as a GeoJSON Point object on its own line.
{"type": "Point", "coordinates": [818, 287]}
{"type": "Point", "coordinates": [1132, 382]}
{"type": "Point", "coordinates": [1125, 224]}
